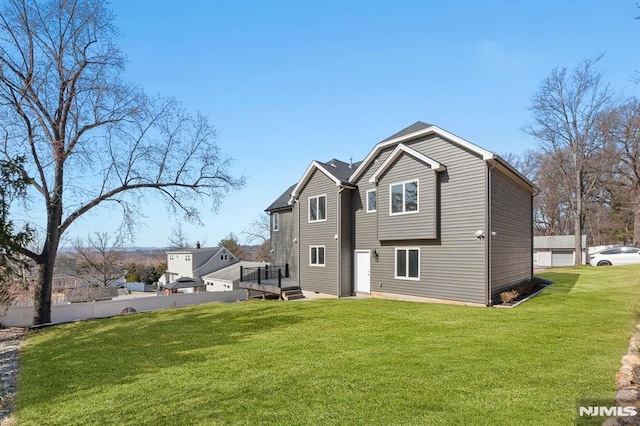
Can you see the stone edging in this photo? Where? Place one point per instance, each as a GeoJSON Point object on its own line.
{"type": "Point", "coordinates": [628, 382]}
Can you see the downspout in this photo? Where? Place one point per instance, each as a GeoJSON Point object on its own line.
{"type": "Point", "coordinates": [489, 236]}
{"type": "Point", "coordinates": [535, 192]}
{"type": "Point", "coordinates": [299, 244]}
{"type": "Point", "coordinates": [338, 243]}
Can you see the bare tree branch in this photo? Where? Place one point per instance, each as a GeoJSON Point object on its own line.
{"type": "Point", "coordinates": [88, 136]}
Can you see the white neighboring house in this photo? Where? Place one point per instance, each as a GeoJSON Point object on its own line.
{"type": "Point", "coordinates": [195, 263]}
{"type": "Point", "coordinates": [228, 279]}
{"type": "Point", "coordinates": [557, 250]}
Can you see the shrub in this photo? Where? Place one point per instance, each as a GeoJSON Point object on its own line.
{"type": "Point", "coordinates": [509, 296]}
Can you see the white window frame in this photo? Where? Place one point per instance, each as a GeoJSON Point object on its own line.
{"type": "Point", "coordinates": [404, 201]}
{"type": "Point", "coordinates": [224, 256]}
{"type": "Point", "coordinates": [317, 197]}
{"type": "Point", "coordinates": [324, 257]}
{"type": "Point", "coordinates": [395, 264]}
{"type": "Point", "coordinates": [276, 222]}
{"type": "Point", "coordinates": [187, 257]}
{"type": "Point", "coordinates": [171, 257]}
{"type": "Point", "coordinates": [367, 201]}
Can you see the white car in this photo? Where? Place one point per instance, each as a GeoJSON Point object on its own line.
{"type": "Point", "coordinates": [615, 256]}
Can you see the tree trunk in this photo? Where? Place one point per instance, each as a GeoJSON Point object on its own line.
{"type": "Point", "coordinates": [42, 296]}
{"type": "Point", "coordinates": [636, 221]}
{"type": "Point", "coordinates": [44, 286]}
{"type": "Point", "coordinates": [47, 261]}
{"type": "Point", "coordinates": [577, 222]}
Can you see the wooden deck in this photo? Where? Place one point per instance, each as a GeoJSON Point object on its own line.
{"type": "Point", "coordinates": [288, 291]}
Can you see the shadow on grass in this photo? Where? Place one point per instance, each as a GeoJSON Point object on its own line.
{"type": "Point", "coordinates": [563, 282]}
{"type": "Point", "coordinates": [86, 356]}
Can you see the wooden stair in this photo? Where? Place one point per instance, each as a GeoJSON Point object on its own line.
{"type": "Point", "coordinates": [292, 294]}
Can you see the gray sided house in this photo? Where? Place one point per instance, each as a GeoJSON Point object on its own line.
{"type": "Point", "coordinates": [426, 216]}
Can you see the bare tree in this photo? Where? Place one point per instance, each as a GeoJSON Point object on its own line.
{"type": "Point", "coordinates": [88, 138]}
{"type": "Point", "coordinates": [566, 109]}
{"type": "Point", "coordinates": [98, 262]}
{"type": "Point", "coordinates": [259, 232]}
{"type": "Point", "coordinates": [178, 239]}
{"type": "Point", "coordinates": [621, 126]}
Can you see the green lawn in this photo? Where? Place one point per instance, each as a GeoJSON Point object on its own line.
{"type": "Point", "coordinates": [338, 361]}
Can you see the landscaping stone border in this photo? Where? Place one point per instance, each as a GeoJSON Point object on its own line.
{"type": "Point", "coordinates": [628, 383]}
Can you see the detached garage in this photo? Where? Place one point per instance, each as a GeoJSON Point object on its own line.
{"type": "Point", "coordinates": [557, 250]}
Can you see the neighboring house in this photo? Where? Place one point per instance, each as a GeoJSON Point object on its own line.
{"type": "Point", "coordinates": [228, 278]}
{"type": "Point", "coordinates": [183, 285]}
{"type": "Point", "coordinates": [557, 250]}
{"type": "Point", "coordinates": [195, 263]}
{"type": "Point", "coordinates": [427, 215]}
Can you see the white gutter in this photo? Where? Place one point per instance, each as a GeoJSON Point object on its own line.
{"type": "Point", "coordinates": [338, 242]}
{"type": "Point", "coordinates": [489, 236]}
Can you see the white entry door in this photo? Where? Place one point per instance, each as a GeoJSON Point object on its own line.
{"type": "Point", "coordinates": [363, 272]}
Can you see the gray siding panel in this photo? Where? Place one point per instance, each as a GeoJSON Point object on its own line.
{"type": "Point", "coordinates": [284, 249]}
{"type": "Point", "coordinates": [511, 247]}
{"type": "Point", "coordinates": [322, 279]}
{"type": "Point", "coordinates": [453, 266]}
{"type": "Point", "coordinates": [416, 225]}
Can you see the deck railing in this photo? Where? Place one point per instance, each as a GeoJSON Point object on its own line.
{"type": "Point", "coordinates": [261, 274]}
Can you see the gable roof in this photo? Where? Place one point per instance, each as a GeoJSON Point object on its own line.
{"type": "Point", "coordinates": [416, 130]}
{"type": "Point", "coordinates": [403, 149]}
{"type": "Point", "coordinates": [415, 127]}
{"type": "Point", "coordinates": [346, 175]}
{"type": "Point", "coordinates": [335, 170]}
{"type": "Point", "coordinates": [204, 268]}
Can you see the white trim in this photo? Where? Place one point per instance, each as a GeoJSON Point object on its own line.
{"type": "Point", "coordinates": [367, 201]}
{"type": "Point", "coordinates": [324, 249]}
{"type": "Point", "coordinates": [318, 206]}
{"type": "Point", "coordinates": [403, 149]}
{"type": "Point", "coordinates": [486, 155]}
{"type": "Point", "coordinates": [307, 175]}
{"type": "Point", "coordinates": [275, 222]}
{"type": "Point", "coordinates": [403, 183]}
{"type": "Point", "coordinates": [395, 264]}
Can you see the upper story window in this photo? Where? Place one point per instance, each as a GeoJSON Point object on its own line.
{"type": "Point", "coordinates": [318, 208]}
{"type": "Point", "coordinates": [372, 200]}
{"type": "Point", "coordinates": [187, 257]}
{"type": "Point", "coordinates": [404, 197]}
{"type": "Point", "coordinates": [224, 257]}
{"type": "Point", "coordinates": [170, 257]}
{"type": "Point", "coordinates": [275, 221]}
{"type": "Point", "coordinates": [408, 263]}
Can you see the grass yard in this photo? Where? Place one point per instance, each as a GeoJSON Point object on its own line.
{"type": "Point", "coordinates": [338, 361]}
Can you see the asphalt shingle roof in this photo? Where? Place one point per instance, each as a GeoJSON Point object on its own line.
{"type": "Point", "coordinates": [282, 201]}
{"type": "Point", "coordinates": [341, 170]}
{"type": "Point", "coordinates": [415, 127]}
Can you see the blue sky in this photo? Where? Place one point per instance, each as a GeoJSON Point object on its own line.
{"type": "Point", "coordinates": [288, 82]}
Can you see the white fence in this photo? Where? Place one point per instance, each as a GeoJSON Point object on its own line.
{"type": "Point", "coordinates": [22, 316]}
